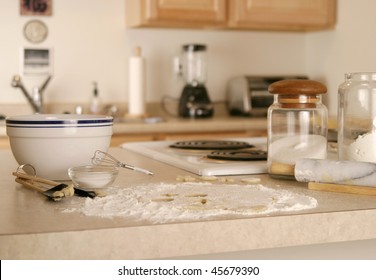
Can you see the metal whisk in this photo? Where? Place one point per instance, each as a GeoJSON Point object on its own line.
{"type": "Point", "coordinates": [102, 158]}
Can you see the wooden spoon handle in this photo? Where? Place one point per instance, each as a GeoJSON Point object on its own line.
{"type": "Point", "coordinates": [30, 184]}
{"type": "Point", "coordinates": [35, 179]}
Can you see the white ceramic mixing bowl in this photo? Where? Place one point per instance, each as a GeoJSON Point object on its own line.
{"type": "Point", "coordinates": [52, 143]}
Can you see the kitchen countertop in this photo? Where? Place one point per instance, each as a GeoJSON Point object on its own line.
{"type": "Point", "coordinates": [180, 125]}
{"type": "Point", "coordinates": [158, 120]}
{"type": "Point", "coordinates": [35, 228]}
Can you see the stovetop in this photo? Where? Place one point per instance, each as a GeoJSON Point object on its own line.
{"type": "Point", "coordinates": [197, 160]}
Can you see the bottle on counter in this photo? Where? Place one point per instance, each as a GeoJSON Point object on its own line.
{"type": "Point", "coordinates": [95, 102]}
{"type": "Point", "coordinates": [297, 125]}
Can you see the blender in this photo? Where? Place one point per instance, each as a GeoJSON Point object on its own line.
{"type": "Point", "coordinates": [194, 100]}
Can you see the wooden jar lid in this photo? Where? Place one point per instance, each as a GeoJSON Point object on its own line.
{"type": "Point", "coordinates": [297, 87]}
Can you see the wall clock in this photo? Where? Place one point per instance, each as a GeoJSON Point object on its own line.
{"type": "Point", "coordinates": [35, 31]}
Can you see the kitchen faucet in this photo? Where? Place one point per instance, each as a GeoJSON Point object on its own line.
{"type": "Point", "coordinates": [36, 98]}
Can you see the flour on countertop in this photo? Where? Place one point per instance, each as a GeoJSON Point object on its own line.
{"type": "Point", "coordinates": [189, 201]}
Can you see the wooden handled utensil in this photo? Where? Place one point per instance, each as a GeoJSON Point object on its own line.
{"type": "Point", "coordinates": [56, 193]}
{"type": "Point", "coordinates": [337, 176]}
{"type": "Point", "coordinates": [58, 190]}
{"type": "Point", "coordinates": [342, 188]}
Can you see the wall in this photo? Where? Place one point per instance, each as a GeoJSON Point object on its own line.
{"type": "Point", "coordinates": [230, 53]}
{"type": "Point", "coordinates": [91, 42]}
{"type": "Point", "coordinates": [348, 48]}
{"type": "Point", "coordinates": [88, 41]}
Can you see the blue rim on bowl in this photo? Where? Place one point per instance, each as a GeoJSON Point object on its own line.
{"type": "Point", "coordinates": [58, 120]}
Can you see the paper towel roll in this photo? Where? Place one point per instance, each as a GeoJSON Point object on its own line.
{"type": "Point", "coordinates": [136, 93]}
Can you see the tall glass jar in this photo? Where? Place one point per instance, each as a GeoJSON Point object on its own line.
{"type": "Point", "coordinates": [357, 117]}
{"type": "Point", "coordinates": [297, 125]}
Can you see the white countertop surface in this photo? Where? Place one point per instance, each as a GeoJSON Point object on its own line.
{"type": "Point", "coordinates": [35, 228]}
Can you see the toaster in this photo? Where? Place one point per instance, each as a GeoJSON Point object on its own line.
{"type": "Point", "coordinates": [249, 96]}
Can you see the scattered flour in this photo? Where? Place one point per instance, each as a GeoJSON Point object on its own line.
{"type": "Point", "coordinates": [190, 201]}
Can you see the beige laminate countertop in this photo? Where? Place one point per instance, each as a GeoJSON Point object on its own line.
{"type": "Point", "coordinates": [35, 228]}
{"type": "Point", "coordinates": [179, 125]}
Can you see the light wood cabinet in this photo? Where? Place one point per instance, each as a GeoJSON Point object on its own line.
{"type": "Point", "coordinates": [290, 15]}
{"type": "Point", "coordinates": [282, 15]}
{"type": "Point", "coordinates": [176, 13]}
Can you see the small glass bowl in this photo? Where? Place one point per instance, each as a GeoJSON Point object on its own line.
{"type": "Point", "coordinates": [93, 176]}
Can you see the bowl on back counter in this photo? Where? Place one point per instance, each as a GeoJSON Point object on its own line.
{"type": "Point", "coordinates": [52, 143]}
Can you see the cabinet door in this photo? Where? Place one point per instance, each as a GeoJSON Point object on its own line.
{"type": "Point", "coordinates": [282, 15]}
{"type": "Point", "coordinates": [176, 13]}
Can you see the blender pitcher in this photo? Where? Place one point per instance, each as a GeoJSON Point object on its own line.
{"type": "Point", "coordinates": [194, 100]}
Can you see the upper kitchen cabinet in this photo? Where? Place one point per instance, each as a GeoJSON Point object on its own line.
{"type": "Point", "coordinates": [176, 13]}
{"type": "Point", "coordinates": [289, 15]}
{"type": "Point", "coordinates": [296, 15]}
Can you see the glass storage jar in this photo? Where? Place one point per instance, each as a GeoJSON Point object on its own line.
{"type": "Point", "coordinates": [357, 117]}
{"type": "Point", "coordinates": [297, 125]}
